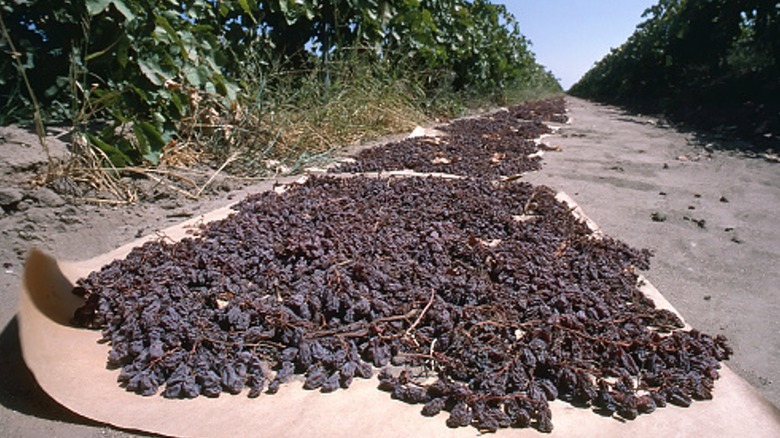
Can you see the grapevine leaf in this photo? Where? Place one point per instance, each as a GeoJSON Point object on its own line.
{"type": "Point", "coordinates": [114, 154]}
{"type": "Point", "coordinates": [124, 9]}
{"type": "Point", "coordinates": [94, 7]}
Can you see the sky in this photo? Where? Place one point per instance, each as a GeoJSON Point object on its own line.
{"type": "Point", "coordinates": [569, 36]}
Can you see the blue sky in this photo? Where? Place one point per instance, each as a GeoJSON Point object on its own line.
{"type": "Point", "coordinates": [569, 36]}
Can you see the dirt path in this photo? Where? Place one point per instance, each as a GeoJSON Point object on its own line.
{"type": "Point", "coordinates": [614, 164]}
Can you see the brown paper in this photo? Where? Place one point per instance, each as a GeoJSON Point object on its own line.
{"type": "Point", "coordinates": [70, 365]}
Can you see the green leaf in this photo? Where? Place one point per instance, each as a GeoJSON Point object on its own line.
{"type": "Point", "coordinates": [159, 118]}
{"type": "Point", "coordinates": [177, 102]}
{"type": "Point", "coordinates": [94, 7]}
{"type": "Point", "coordinates": [171, 33]}
{"type": "Point", "coordinates": [114, 154]}
{"type": "Point", "coordinates": [51, 91]}
{"type": "Point", "coordinates": [153, 135]}
{"type": "Point", "coordinates": [139, 92]}
{"type": "Point", "coordinates": [150, 141]}
{"type": "Point", "coordinates": [197, 76]}
{"type": "Point", "coordinates": [140, 137]}
{"type": "Point", "coordinates": [289, 11]}
{"type": "Point", "coordinates": [308, 10]}
{"type": "Point", "coordinates": [231, 90]}
{"type": "Point", "coordinates": [153, 157]}
{"type": "Point", "coordinates": [122, 52]}
{"type": "Point", "coordinates": [150, 67]}
{"type": "Point", "coordinates": [124, 9]}
{"type": "Point", "coordinates": [248, 9]}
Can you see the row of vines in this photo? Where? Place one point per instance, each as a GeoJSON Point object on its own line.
{"type": "Point", "coordinates": [149, 64]}
{"type": "Point", "coordinates": [714, 63]}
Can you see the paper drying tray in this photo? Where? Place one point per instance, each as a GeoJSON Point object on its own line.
{"type": "Point", "coordinates": [70, 366]}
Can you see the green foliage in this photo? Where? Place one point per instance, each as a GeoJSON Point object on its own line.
{"type": "Point", "coordinates": [479, 43]}
{"type": "Point", "coordinates": [146, 68]}
{"type": "Point", "coordinates": [714, 55]}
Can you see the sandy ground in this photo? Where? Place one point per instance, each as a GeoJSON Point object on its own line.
{"type": "Point", "coordinates": [714, 236]}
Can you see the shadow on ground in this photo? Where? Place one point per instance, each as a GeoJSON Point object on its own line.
{"type": "Point", "coordinates": [19, 390]}
{"type": "Point", "coordinates": [766, 148]}
{"type": "Point", "coordinates": [709, 128]}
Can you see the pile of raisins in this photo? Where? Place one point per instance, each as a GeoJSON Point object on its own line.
{"type": "Point", "coordinates": [484, 300]}
{"type": "Point", "coordinates": [493, 145]}
{"type": "Point", "coordinates": [479, 299]}
{"type": "Point", "coordinates": [549, 110]}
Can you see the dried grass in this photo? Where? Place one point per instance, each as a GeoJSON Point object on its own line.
{"type": "Point", "coordinates": [282, 122]}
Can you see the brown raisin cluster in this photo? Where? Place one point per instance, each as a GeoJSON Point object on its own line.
{"type": "Point", "coordinates": [482, 300]}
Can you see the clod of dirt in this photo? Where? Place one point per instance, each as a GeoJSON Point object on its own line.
{"type": "Point", "coordinates": [546, 147]}
{"type": "Point", "coordinates": [701, 223]}
{"type": "Point", "coordinates": [724, 199]}
{"type": "Point", "coordinates": [22, 205]}
{"type": "Point", "coordinates": [28, 233]}
{"type": "Point", "coordinates": [658, 217]}
{"type": "Point", "coordinates": [70, 216]}
{"type": "Point", "coordinates": [47, 197]}
{"type": "Point", "coordinates": [10, 197]}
